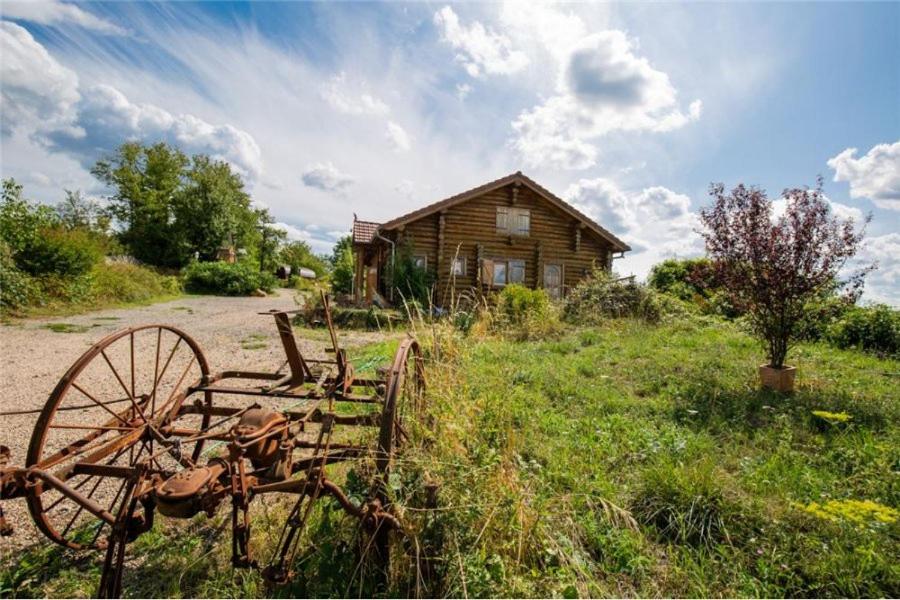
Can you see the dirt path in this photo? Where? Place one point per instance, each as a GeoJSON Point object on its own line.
{"type": "Point", "coordinates": [35, 353]}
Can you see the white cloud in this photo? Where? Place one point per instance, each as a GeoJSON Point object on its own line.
{"type": "Point", "coordinates": [406, 188]}
{"type": "Point", "coordinates": [656, 221]}
{"type": "Point", "coordinates": [398, 137]}
{"type": "Point", "coordinates": [37, 91]}
{"type": "Point", "coordinates": [55, 13]}
{"type": "Point", "coordinates": [876, 175]}
{"type": "Point", "coordinates": [337, 94]}
{"type": "Point", "coordinates": [603, 87]}
{"type": "Point", "coordinates": [463, 90]}
{"type": "Point", "coordinates": [839, 210]}
{"type": "Point", "coordinates": [481, 50]}
{"type": "Point", "coordinates": [326, 177]}
{"type": "Point", "coordinates": [882, 284]}
{"type": "Point", "coordinates": [106, 117]}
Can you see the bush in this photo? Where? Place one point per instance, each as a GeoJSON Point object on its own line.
{"type": "Point", "coordinates": [229, 279]}
{"type": "Point", "coordinates": [60, 252]}
{"type": "Point", "coordinates": [599, 297]}
{"type": "Point", "coordinates": [16, 287]}
{"type": "Point", "coordinates": [516, 303]}
{"type": "Point", "coordinates": [874, 328]}
{"type": "Point", "coordinates": [685, 503]}
{"type": "Point", "coordinates": [123, 282]}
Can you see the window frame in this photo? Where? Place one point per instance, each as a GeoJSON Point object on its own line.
{"type": "Point", "coordinates": [509, 219]}
{"type": "Point", "coordinates": [506, 266]}
{"type": "Point", "coordinates": [458, 260]}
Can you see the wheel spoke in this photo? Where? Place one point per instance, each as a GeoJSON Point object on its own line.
{"type": "Point", "coordinates": [137, 409]}
{"type": "Point", "coordinates": [102, 405]}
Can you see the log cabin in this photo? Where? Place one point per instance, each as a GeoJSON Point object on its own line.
{"type": "Point", "coordinates": [510, 230]}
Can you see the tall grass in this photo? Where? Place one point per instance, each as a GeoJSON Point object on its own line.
{"type": "Point", "coordinates": [624, 459]}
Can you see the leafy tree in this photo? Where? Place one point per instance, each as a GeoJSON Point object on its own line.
{"type": "Point", "coordinates": [211, 210]}
{"type": "Point", "coordinates": [410, 280]}
{"type": "Point", "coordinates": [772, 269]}
{"type": "Point", "coordinates": [342, 266]}
{"type": "Point", "coordinates": [21, 222]}
{"type": "Point", "coordinates": [146, 182]}
{"type": "Point", "coordinates": [267, 240]}
{"type": "Point", "coordinates": [299, 255]}
{"type": "Point", "coordinates": [79, 212]}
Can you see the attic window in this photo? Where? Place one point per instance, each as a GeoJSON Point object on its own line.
{"type": "Point", "coordinates": [513, 221]}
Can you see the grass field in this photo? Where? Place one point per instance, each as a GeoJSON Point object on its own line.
{"type": "Point", "coordinates": [623, 460]}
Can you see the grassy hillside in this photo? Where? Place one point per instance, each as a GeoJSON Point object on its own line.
{"type": "Point", "coordinates": [620, 460]}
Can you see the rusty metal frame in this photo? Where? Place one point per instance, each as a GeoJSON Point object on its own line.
{"type": "Point", "coordinates": [256, 463]}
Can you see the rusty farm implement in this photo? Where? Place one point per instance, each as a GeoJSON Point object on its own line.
{"type": "Point", "coordinates": [140, 426]}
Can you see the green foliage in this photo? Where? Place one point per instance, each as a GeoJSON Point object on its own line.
{"type": "Point", "coordinates": [408, 280]}
{"type": "Point", "coordinates": [60, 252]}
{"type": "Point", "coordinates": [299, 255]}
{"type": "Point", "coordinates": [683, 278]}
{"type": "Point", "coordinates": [16, 288]}
{"type": "Point", "coordinates": [518, 303]}
{"type": "Point", "coordinates": [171, 206]}
{"type": "Point", "coordinates": [684, 503]}
{"type": "Point", "coordinates": [342, 266]}
{"type": "Point", "coordinates": [22, 222]}
{"type": "Point", "coordinates": [229, 279]}
{"type": "Point", "coordinates": [124, 282]}
{"type": "Point", "coordinates": [873, 328]}
{"type": "Point", "coordinates": [601, 297]}
{"type": "Point", "coordinates": [211, 210]}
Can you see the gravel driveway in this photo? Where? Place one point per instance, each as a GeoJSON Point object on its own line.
{"type": "Point", "coordinates": [35, 353]}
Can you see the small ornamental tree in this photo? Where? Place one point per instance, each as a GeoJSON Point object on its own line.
{"type": "Point", "coordinates": [772, 266]}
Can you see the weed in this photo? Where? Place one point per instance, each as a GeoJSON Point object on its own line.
{"type": "Point", "coordinates": [66, 327]}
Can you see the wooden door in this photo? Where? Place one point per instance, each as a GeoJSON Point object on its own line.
{"type": "Point", "coordinates": [553, 280]}
{"type": "Point", "coordinates": [371, 283]}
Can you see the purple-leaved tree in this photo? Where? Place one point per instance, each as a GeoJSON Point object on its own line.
{"type": "Point", "coordinates": [772, 266]}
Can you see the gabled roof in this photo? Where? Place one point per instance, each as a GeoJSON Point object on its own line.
{"type": "Point", "coordinates": [364, 231]}
{"type": "Point", "coordinates": [561, 204]}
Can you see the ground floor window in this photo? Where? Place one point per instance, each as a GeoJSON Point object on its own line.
{"type": "Point", "coordinates": [458, 268]}
{"type": "Point", "coordinates": [421, 262]}
{"type": "Point", "coordinates": [501, 271]}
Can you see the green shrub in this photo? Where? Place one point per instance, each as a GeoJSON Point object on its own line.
{"type": "Point", "coordinates": [229, 279]}
{"type": "Point", "coordinates": [600, 297]}
{"type": "Point", "coordinates": [60, 252]}
{"type": "Point", "coordinates": [516, 303]}
{"type": "Point", "coordinates": [16, 287]}
{"type": "Point", "coordinates": [685, 504]}
{"type": "Point", "coordinates": [123, 282]}
{"type": "Point", "coordinates": [874, 328]}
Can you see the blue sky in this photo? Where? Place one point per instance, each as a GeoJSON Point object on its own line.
{"type": "Point", "coordinates": [629, 111]}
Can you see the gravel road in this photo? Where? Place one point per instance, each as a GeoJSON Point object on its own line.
{"type": "Point", "coordinates": [35, 353]}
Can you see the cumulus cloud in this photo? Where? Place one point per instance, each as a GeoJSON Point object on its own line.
{"type": "Point", "coordinates": [398, 137]}
{"type": "Point", "coordinates": [326, 177]}
{"type": "Point", "coordinates": [604, 86]}
{"type": "Point", "coordinates": [656, 221]}
{"type": "Point", "coordinates": [105, 117]}
{"type": "Point", "coordinates": [55, 13]}
{"type": "Point", "coordinates": [875, 175]}
{"type": "Point", "coordinates": [43, 99]}
{"type": "Point", "coordinates": [37, 91]}
{"type": "Point", "coordinates": [463, 90]}
{"type": "Point", "coordinates": [480, 50]}
{"type": "Point", "coordinates": [352, 102]}
{"type": "Point", "coordinates": [882, 284]}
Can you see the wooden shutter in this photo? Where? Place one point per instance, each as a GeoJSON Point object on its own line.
{"type": "Point", "coordinates": [487, 271]}
{"type": "Point", "coordinates": [503, 224]}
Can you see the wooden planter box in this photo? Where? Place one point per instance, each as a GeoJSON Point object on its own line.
{"type": "Point", "coordinates": [780, 380]}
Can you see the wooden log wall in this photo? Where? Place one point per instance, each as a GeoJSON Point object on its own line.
{"type": "Point", "coordinates": [554, 238]}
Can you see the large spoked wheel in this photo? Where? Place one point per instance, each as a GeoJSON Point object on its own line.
{"type": "Point", "coordinates": [108, 410]}
{"type": "Point", "coordinates": [404, 391]}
